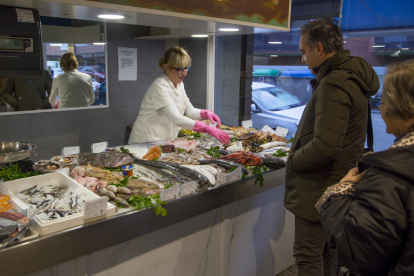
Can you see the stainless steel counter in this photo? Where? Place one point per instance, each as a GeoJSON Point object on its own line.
{"type": "Point", "coordinates": [46, 251]}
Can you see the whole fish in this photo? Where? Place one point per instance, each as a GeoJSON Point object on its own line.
{"type": "Point", "coordinates": [201, 180]}
{"type": "Point", "coordinates": [244, 158]}
{"type": "Point", "coordinates": [273, 162]}
{"type": "Point", "coordinates": [109, 159]}
{"type": "Point", "coordinates": [228, 165]}
{"type": "Point", "coordinates": [137, 150]}
{"type": "Point", "coordinates": [158, 175]}
{"type": "Point", "coordinates": [202, 171]}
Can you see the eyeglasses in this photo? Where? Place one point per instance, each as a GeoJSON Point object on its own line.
{"type": "Point", "coordinates": [181, 70]}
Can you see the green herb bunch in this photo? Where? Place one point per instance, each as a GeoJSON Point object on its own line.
{"type": "Point", "coordinates": [124, 182]}
{"type": "Point", "coordinates": [196, 136]}
{"type": "Point", "coordinates": [153, 201]}
{"type": "Point", "coordinates": [213, 152]}
{"type": "Point", "coordinates": [13, 172]}
{"type": "Point", "coordinates": [257, 170]}
{"type": "Point", "coordinates": [116, 169]}
{"type": "Point", "coordinates": [281, 153]}
{"type": "Point", "coordinates": [124, 150]}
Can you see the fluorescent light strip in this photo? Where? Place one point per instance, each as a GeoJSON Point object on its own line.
{"type": "Point", "coordinates": [275, 42]}
{"type": "Point", "coordinates": [229, 30]}
{"type": "Point", "coordinates": [111, 16]}
{"type": "Point", "coordinates": [57, 45]}
{"type": "Point", "coordinates": [404, 49]}
{"type": "Point", "coordinates": [199, 35]}
{"type": "Point", "coordinates": [378, 46]}
{"type": "Point", "coordinates": [99, 43]}
{"type": "Point", "coordinates": [273, 55]}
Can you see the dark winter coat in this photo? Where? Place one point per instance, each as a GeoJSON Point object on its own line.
{"type": "Point", "coordinates": [331, 134]}
{"type": "Point", "coordinates": [373, 230]}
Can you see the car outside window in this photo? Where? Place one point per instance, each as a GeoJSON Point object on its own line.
{"type": "Point", "coordinates": [274, 99]}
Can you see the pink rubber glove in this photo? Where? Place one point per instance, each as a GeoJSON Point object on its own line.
{"type": "Point", "coordinates": [218, 133]}
{"type": "Point", "coordinates": [207, 114]}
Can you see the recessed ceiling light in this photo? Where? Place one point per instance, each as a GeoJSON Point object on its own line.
{"type": "Point", "coordinates": [405, 49]}
{"type": "Point", "coordinates": [99, 43]}
{"type": "Point", "coordinates": [378, 46]}
{"type": "Point", "coordinates": [275, 42]}
{"type": "Point", "coordinates": [111, 16]}
{"type": "Point", "coordinates": [199, 35]}
{"type": "Point", "coordinates": [57, 45]}
{"type": "Point", "coordinates": [273, 55]}
{"type": "Point", "coordinates": [228, 29]}
{"type": "Point", "coordinates": [344, 41]}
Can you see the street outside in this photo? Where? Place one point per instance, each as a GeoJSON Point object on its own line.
{"type": "Point", "coordinates": [382, 140]}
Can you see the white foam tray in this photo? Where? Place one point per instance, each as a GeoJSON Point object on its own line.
{"type": "Point", "coordinates": [48, 227]}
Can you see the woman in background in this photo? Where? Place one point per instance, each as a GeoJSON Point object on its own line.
{"type": "Point", "coordinates": [162, 110]}
{"type": "Point", "coordinates": [368, 217]}
{"type": "Point", "coordinates": [73, 88]}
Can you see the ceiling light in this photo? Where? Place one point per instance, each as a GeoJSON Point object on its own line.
{"type": "Point", "coordinates": [405, 49]}
{"type": "Point", "coordinates": [99, 43]}
{"type": "Point", "coordinates": [344, 41]}
{"type": "Point", "coordinates": [199, 35]}
{"type": "Point", "coordinates": [378, 46]}
{"type": "Point", "coordinates": [228, 29]}
{"type": "Point", "coordinates": [111, 16]}
{"type": "Point", "coordinates": [273, 55]}
{"type": "Point", "coordinates": [57, 45]}
{"type": "Point", "coordinates": [275, 42]}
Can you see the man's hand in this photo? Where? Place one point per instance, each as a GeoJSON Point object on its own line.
{"type": "Point", "coordinates": [353, 175]}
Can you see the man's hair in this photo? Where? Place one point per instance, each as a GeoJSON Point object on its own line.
{"type": "Point", "coordinates": [399, 89]}
{"type": "Point", "coordinates": [325, 31]}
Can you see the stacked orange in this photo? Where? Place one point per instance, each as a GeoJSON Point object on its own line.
{"type": "Point", "coordinates": [4, 203]}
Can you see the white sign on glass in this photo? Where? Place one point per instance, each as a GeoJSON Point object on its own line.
{"type": "Point", "coordinates": [127, 64]}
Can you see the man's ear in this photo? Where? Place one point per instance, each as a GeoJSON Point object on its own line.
{"type": "Point", "coordinates": [319, 47]}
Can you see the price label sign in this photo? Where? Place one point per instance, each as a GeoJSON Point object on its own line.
{"type": "Point", "coordinates": [281, 131]}
{"type": "Point", "coordinates": [247, 124]}
{"type": "Point", "coordinates": [170, 193]}
{"type": "Point", "coordinates": [221, 179]}
{"type": "Point", "coordinates": [188, 188]}
{"type": "Point", "coordinates": [99, 147]}
{"type": "Point", "coordinates": [70, 150]}
{"type": "Point", "coordinates": [267, 128]}
{"type": "Point", "coordinates": [94, 208]}
{"type": "Point", "coordinates": [234, 175]}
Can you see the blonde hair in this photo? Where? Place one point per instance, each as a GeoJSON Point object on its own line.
{"type": "Point", "coordinates": [175, 57]}
{"type": "Point", "coordinates": [68, 61]}
{"type": "Point", "coordinates": [399, 89]}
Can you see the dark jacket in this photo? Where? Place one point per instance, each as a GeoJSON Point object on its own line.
{"type": "Point", "coordinates": [18, 92]}
{"type": "Point", "coordinates": [373, 231]}
{"type": "Point", "coordinates": [331, 134]}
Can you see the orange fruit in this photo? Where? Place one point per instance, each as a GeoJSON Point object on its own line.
{"type": "Point", "coordinates": [4, 198]}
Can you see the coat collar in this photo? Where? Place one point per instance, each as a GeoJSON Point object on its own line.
{"type": "Point", "coordinates": [329, 64]}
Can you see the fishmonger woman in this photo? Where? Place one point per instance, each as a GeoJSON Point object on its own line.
{"type": "Point", "coordinates": [162, 111]}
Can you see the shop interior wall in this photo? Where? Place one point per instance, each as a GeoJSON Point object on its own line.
{"type": "Point", "coordinates": [51, 131]}
{"type": "Point", "coordinates": [227, 79]}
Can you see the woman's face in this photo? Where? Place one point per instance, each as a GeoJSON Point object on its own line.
{"type": "Point", "coordinates": [174, 76]}
{"type": "Point", "coordinates": [395, 125]}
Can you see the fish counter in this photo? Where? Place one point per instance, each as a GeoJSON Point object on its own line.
{"type": "Point", "coordinates": [143, 189]}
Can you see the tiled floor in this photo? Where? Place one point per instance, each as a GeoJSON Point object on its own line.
{"type": "Point", "coordinates": [291, 271]}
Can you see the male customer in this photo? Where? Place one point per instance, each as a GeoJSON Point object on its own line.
{"type": "Point", "coordinates": [330, 136]}
{"type": "Point", "coordinates": [27, 93]}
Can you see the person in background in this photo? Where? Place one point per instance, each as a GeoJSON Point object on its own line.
{"type": "Point", "coordinates": [330, 136]}
{"type": "Point", "coordinates": [27, 93]}
{"type": "Point", "coordinates": [368, 216]}
{"type": "Point", "coordinates": [73, 88]}
{"type": "Point", "coordinates": [162, 110]}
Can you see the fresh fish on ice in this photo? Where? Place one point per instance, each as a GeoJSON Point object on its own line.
{"type": "Point", "coordinates": [184, 144]}
{"type": "Point", "coordinates": [204, 171]}
{"type": "Point", "coordinates": [109, 159]}
{"type": "Point", "coordinates": [273, 144]}
{"type": "Point", "coordinates": [228, 165]}
{"type": "Point", "coordinates": [158, 175]}
{"type": "Point", "coordinates": [137, 150]}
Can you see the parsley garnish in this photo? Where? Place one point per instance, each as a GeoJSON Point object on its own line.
{"type": "Point", "coordinates": [141, 201]}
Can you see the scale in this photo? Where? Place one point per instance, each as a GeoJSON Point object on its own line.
{"type": "Point", "coordinates": [20, 42]}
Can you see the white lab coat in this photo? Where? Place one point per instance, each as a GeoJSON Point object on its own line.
{"type": "Point", "coordinates": [152, 124]}
{"type": "Point", "coordinates": [73, 88]}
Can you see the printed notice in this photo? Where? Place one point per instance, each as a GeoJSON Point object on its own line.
{"type": "Point", "coordinates": [70, 150]}
{"type": "Point", "coordinates": [127, 64]}
{"type": "Point", "coordinates": [25, 16]}
{"type": "Point", "coordinates": [247, 124]}
{"type": "Point", "coordinates": [99, 147]}
{"type": "Point", "coordinates": [188, 188]}
{"type": "Point", "coordinates": [281, 131]}
{"type": "Point", "coordinates": [93, 208]}
{"type": "Point", "coordinates": [267, 128]}
{"type": "Point", "coordinates": [170, 193]}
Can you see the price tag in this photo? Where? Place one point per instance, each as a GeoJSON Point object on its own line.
{"type": "Point", "coordinates": [170, 193]}
{"type": "Point", "coordinates": [267, 128]}
{"type": "Point", "coordinates": [25, 16]}
{"type": "Point", "coordinates": [94, 207]}
{"type": "Point", "coordinates": [234, 175]}
{"type": "Point", "coordinates": [238, 146]}
{"type": "Point", "coordinates": [247, 124]}
{"type": "Point", "coordinates": [188, 188]}
{"type": "Point", "coordinates": [70, 150]}
{"type": "Point", "coordinates": [99, 147]}
{"type": "Point", "coordinates": [221, 179]}
{"type": "Point", "coordinates": [281, 131]}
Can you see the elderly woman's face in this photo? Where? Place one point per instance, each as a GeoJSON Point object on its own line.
{"type": "Point", "coordinates": [395, 125]}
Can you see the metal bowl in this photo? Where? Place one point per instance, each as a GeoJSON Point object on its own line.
{"type": "Point", "coordinates": [15, 151]}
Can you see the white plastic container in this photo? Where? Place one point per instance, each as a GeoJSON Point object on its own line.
{"type": "Point", "coordinates": [48, 227]}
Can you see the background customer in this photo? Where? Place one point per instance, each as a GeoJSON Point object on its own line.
{"type": "Point", "coordinates": [330, 136]}
{"type": "Point", "coordinates": [73, 88]}
{"type": "Point", "coordinates": [27, 93]}
{"type": "Point", "coordinates": [369, 216]}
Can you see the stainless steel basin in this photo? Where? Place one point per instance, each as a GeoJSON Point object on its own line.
{"type": "Point", "coordinates": [15, 151]}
